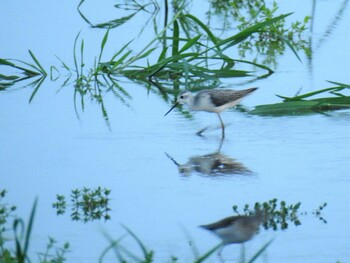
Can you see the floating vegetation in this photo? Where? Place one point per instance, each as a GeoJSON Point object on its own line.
{"type": "Point", "coordinates": [86, 204]}
{"type": "Point", "coordinates": [300, 105]}
{"type": "Point", "coordinates": [278, 214]}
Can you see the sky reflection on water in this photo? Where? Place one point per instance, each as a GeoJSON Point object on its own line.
{"type": "Point", "coordinates": [46, 150]}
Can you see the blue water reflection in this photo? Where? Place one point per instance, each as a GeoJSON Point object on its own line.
{"type": "Point", "coordinates": [46, 150]}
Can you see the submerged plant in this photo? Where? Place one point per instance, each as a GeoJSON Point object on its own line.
{"type": "Point", "coordinates": [86, 204]}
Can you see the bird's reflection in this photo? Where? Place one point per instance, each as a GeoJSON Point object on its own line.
{"type": "Point", "coordinates": [212, 164]}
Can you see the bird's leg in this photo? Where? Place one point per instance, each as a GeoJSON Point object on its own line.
{"type": "Point", "coordinates": [219, 253]}
{"type": "Point", "coordinates": [222, 126]}
{"type": "Point", "coordinates": [243, 253]}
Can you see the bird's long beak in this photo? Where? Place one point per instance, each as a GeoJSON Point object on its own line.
{"type": "Point", "coordinates": [171, 108]}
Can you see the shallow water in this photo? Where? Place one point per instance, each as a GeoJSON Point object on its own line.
{"type": "Point", "coordinates": [46, 150]}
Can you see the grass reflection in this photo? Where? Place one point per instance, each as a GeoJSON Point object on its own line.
{"type": "Point", "coordinates": [186, 53]}
{"type": "Point", "coordinates": [23, 71]}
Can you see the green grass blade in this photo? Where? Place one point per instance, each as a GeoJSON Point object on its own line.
{"type": "Point", "coordinates": [261, 250]}
{"type": "Point", "coordinates": [29, 228]}
{"type": "Point", "coordinates": [9, 77]}
{"type": "Point", "coordinates": [18, 222]}
{"type": "Point", "coordinates": [162, 54]}
{"type": "Point", "coordinates": [42, 70]}
{"type": "Point", "coordinates": [208, 254]}
{"type": "Point", "coordinates": [121, 60]}
{"type": "Point", "coordinates": [306, 95]}
{"type": "Point", "coordinates": [175, 48]}
{"type": "Point", "coordinates": [116, 22]}
{"type": "Point", "coordinates": [103, 43]}
{"type": "Point", "coordinates": [75, 54]}
{"type": "Point", "coordinates": [121, 50]}
{"type": "Point", "coordinates": [231, 41]}
{"type": "Point", "coordinates": [339, 84]}
{"type": "Point", "coordinates": [37, 84]}
{"type": "Point", "coordinates": [255, 65]}
{"type": "Point", "coordinates": [139, 242]}
{"type": "Point", "coordinates": [190, 43]}
{"type": "Point", "coordinates": [81, 56]}
{"type": "Point", "coordinates": [82, 15]}
{"type": "Point", "coordinates": [291, 107]}
{"type": "Point", "coordinates": [6, 63]}
{"type": "Point", "coordinates": [113, 244]}
{"type": "Point", "coordinates": [204, 27]}
{"type": "Point", "coordinates": [289, 44]}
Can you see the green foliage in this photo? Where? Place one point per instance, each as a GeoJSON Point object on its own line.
{"type": "Point", "coordinates": [278, 215]}
{"type": "Point", "coordinates": [22, 238]}
{"type": "Point", "coordinates": [125, 255]}
{"type": "Point", "coordinates": [23, 234]}
{"type": "Point", "coordinates": [131, 7]}
{"type": "Point", "coordinates": [300, 105]}
{"type": "Point", "coordinates": [23, 71]}
{"type": "Point", "coordinates": [269, 42]}
{"type": "Point", "coordinates": [6, 212]}
{"type": "Point", "coordinates": [185, 54]}
{"type": "Point", "coordinates": [86, 204]}
{"type": "Point", "coordinates": [54, 254]}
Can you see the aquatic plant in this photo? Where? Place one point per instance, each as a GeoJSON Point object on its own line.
{"type": "Point", "coordinates": [22, 238]}
{"type": "Point", "coordinates": [278, 214]}
{"type": "Point", "coordinates": [86, 204]}
{"type": "Point", "coordinates": [300, 104]}
{"type": "Point", "coordinates": [24, 71]}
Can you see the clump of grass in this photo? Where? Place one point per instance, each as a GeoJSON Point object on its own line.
{"type": "Point", "coordinates": [23, 71]}
{"type": "Point", "coordinates": [185, 54]}
{"type": "Point", "coordinates": [300, 104]}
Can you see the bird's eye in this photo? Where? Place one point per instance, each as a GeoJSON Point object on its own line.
{"type": "Point", "coordinates": [182, 96]}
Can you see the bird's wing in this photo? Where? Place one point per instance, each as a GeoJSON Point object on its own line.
{"type": "Point", "coordinates": [222, 97]}
{"type": "Point", "coordinates": [222, 223]}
